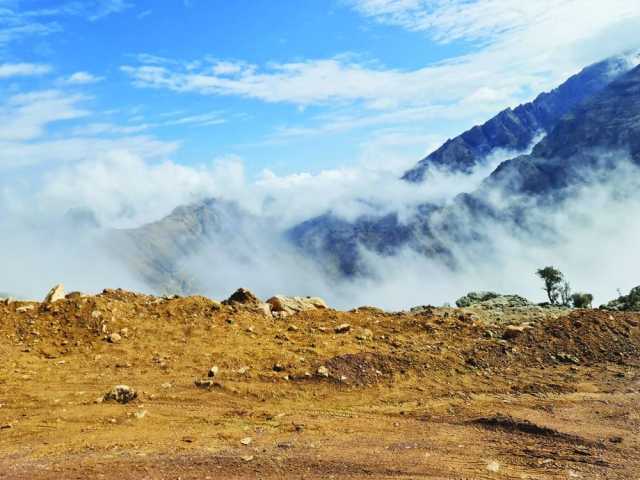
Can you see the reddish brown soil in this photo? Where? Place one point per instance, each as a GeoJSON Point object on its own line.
{"type": "Point", "coordinates": [433, 395]}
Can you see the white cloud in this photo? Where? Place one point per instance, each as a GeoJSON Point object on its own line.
{"type": "Point", "coordinates": [25, 116]}
{"type": "Point", "coordinates": [8, 70]}
{"type": "Point", "coordinates": [523, 49]}
{"type": "Point", "coordinates": [17, 22]}
{"type": "Point", "coordinates": [82, 78]}
{"type": "Point", "coordinates": [491, 20]}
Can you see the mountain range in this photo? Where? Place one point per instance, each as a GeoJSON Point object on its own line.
{"type": "Point", "coordinates": [586, 124]}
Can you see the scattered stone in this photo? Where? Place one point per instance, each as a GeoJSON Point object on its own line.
{"type": "Point", "coordinates": [114, 338]}
{"type": "Point", "coordinates": [343, 328]}
{"type": "Point", "coordinates": [284, 306]}
{"type": "Point", "coordinates": [493, 466]}
{"type": "Point", "coordinates": [55, 294]}
{"type": "Point", "coordinates": [323, 372]}
{"type": "Point", "coordinates": [365, 334]}
{"type": "Point", "coordinates": [213, 371]}
{"type": "Point", "coordinates": [243, 370]}
{"type": "Point", "coordinates": [121, 394]}
{"type": "Point", "coordinates": [206, 384]}
{"type": "Point", "coordinates": [567, 358]}
{"type": "Point", "coordinates": [166, 385]}
{"type": "Point", "coordinates": [616, 439]}
{"type": "Point", "coordinates": [124, 332]}
{"type": "Point", "coordinates": [141, 414]}
{"type": "Point", "coordinates": [246, 441]}
{"type": "Point", "coordinates": [278, 367]}
{"type": "Point", "coordinates": [514, 331]}
{"type": "Point", "coordinates": [74, 295]}
{"type": "Point", "coordinates": [247, 458]}
{"type": "Point", "coordinates": [24, 309]}
{"type": "Point", "coordinates": [292, 328]}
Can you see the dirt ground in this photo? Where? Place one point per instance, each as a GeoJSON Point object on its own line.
{"type": "Point", "coordinates": [438, 393]}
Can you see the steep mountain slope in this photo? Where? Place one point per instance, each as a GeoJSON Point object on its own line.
{"type": "Point", "coordinates": [596, 136]}
{"type": "Point", "coordinates": [597, 133]}
{"type": "Point", "coordinates": [516, 129]}
{"type": "Point", "coordinates": [156, 250]}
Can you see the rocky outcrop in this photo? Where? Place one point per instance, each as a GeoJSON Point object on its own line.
{"type": "Point", "coordinates": [285, 306]}
{"type": "Point", "coordinates": [492, 300]}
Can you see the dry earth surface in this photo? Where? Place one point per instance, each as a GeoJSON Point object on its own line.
{"type": "Point", "coordinates": [435, 393]}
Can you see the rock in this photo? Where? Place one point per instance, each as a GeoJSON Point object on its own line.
{"type": "Point", "coordinates": [141, 414]}
{"type": "Point", "coordinates": [246, 441]}
{"type": "Point", "coordinates": [207, 384]}
{"type": "Point", "coordinates": [493, 466]}
{"type": "Point", "coordinates": [121, 394]}
{"type": "Point", "coordinates": [322, 372]}
{"type": "Point", "coordinates": [285, 306]}
{"type": "Point", "coordinates": [124, 332]}
{"type": "Point", "coordinates": [343, 328]}
{"type": "Point", "coordinates": [114, 338]}
{"type": "Point", "coordinates": [364, 334]}
{"type": "Point", "coordinates": [278, 367]}
{"type": "Point", "coordinates": [213, 371]}
{"type": "Point", "coordinates": [242, 296]}
{"type": "Point", "coordinates": [245, 298]}
{"type": "Point", "coordinates": [74, 295]}
{"type": "Point", "coordinates": [567, 358]}
{"type": "Point", "coordinates": [55, 294]}
{"type": "Point", "coordinates": [24, 309]}
{"type": "Point", "coordinates": [513, 331]}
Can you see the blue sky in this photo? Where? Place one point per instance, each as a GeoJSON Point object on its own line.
{"type": "Point", "coordinates": [200, 96]}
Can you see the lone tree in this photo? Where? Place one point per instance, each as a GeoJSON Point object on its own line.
{"type": "Point", "coordinates": [552, 278]}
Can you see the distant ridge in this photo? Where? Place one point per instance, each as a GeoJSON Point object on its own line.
{"type": "Point", "coordinates": [515, 129]}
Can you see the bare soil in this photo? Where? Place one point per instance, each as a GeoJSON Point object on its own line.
{"type": "Point", "coordinates": [436, 394]}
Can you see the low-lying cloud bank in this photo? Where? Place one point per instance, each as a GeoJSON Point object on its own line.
{"type": "Point", "coordinates": [592, 237]}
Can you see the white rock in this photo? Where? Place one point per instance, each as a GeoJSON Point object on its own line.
{"type": "Point", "coordinates": [55, 294]}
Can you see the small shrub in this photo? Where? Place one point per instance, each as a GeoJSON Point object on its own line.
{"type": "Point", "coordinates": [581, 300]}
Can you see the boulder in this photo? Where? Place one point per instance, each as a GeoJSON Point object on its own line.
{"type": "Point", "coordinates": [246, 299]}
{"type": "Point", "coordinates": [284, 306]}
{"type": "Point", "coordinates": [121, 394]}
{"type": "Point", "coordinates": [242, 296]}
{"type": "Point", "coordinates": [55, 294]}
